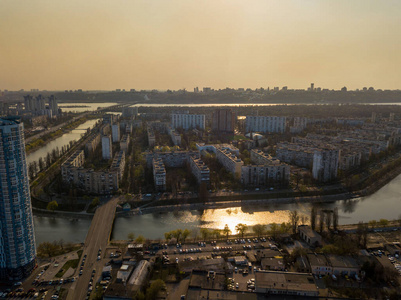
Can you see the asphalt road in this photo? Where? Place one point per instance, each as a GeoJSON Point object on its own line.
{"type": "Point", "coordinates": [97, 238]}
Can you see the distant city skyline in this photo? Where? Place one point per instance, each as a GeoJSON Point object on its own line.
{"type": "Point", "coordinates": [59, 45]}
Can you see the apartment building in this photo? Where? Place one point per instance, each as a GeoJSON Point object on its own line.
{"type": "Point", "coordinates": [17, 235]}
{"type": "Point", "coordinates": [172, 159]}
{"type": "Point", "coordinates": [200, 170]}
{"type": "Point", "coordinates": [325, 164]}
{"type": "Point", "coordinates": [92, 143]}
{"type": "Point", "coordinates": [223, 121]}
{"type": "Point", "coordinates": [151, 137]}
{"type": "Point", "coordinates": [267, 124]}
{"type": "Point", "coordinates": [118, 164]}
{"type": "Point", "coordinates": [88, 180]}
{"type": "Point", "coordinates": [159, 174]}
{"type": "Point", "coordinates": [107, 150]}
{"type": "Point", "coordinates": [115, 132]}
{"type": "Point", "coordinates": [124, 142]}
{"type": "Point", "coordinates": [175, 137]}
{"type": "Point", "coordinates": [188, 121]}
{"type": "Point", "coordinates": [230, 161]}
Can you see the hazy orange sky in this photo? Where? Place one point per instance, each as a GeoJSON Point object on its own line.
{"type": "Point", "coordinates": [173, 44]}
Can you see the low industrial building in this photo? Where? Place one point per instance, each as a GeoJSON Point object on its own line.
{"type": "Point", "coordinates": [285, 283]}
{"type": "Point", "coordinates": [310, 236]}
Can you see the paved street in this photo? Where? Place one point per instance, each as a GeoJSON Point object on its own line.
{"type": "Point", "coordinates": [97, 238]}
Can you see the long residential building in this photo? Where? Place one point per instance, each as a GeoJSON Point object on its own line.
{"type": "Point", "coordinates": [92, 143]}
{"type": "Point", "coordinates": [230, 161]}
{"type": "Point", "coordinates": [187, 121]}
{"type": "Point", "coordinates": [265, 124]}
{"type": "Point", "coordinates": [88, 180]}
{"type": "Point", "coordinates": [17, 236]}
{"type": "Point", "coordinates": [118, 164]}
{"type": "Point", "coordinates": [200, 170]}
{"type": "Point", "coordinates": [175, 136]}
{"type": "Point", "coordinates": [323, 161]}
{"type": "Point", "coordinates": [265, 171]}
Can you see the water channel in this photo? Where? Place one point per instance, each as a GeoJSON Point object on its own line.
{"type": "Point", "coordinates": [385, 203]}
{"type": "Point", "coordinates": [61, 141]}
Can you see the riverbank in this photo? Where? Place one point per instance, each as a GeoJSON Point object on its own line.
{"type": "Point", "coordinates": [47, 138]}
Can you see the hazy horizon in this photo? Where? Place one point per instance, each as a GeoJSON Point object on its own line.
{"type": "Point", "coordinates": [108, 45]}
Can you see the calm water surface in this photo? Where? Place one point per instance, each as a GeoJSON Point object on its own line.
{"type": "Point", "coordinates": [385, 203]}
{"type": "Point", "coordinates": [61, 141]}
{"type": "Point", "coordinates": [86, 106]}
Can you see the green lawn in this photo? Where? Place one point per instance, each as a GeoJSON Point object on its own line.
{"type": "Point", "coordinates": [73, 263]}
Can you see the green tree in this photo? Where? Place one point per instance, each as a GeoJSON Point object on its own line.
{"type": "Point", "coordinates": [204, 233]}
{"type": "Point", "coordinates": [241, 228]}
{"type": "Point", "coordinates": [52, 206]}
{"type": "Point", "coordinates": [216, 233]}
{"type": "Point", "coordinates": [95, 202]}
{"type": "Point", "coordinates": [140, 239]}
{"type": "Point", "coordinates": [274, 230]}
{"type": "Point", "coordinates": [131, 236]}
{"type": "Point", "coordinates": [226, 231]}
{"type": "Point", "coordinates": [185, 234]}
{"type": "Point", "coordinates": [168, 236]}
{"type": "Point", "coordinates": [259, 229]}
{"type": "Point", "coordinates": [154, 289]}
{"type": "Point", "coordinates": [383, 222]}
{"type": "Point", "coordinates": [373, 223]}
{"type": "Point", "coordinates": [177, 234]}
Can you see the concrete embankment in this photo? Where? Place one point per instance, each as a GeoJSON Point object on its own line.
{"type": "Point", "coordinates": [60, 214]}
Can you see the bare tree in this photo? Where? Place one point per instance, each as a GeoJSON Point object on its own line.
{"type": "Point", "coordinates": [321, 221]}
{"type": "Point", "coordinates": [294, 219]}
{"type": "Point", "coordinates": [313, 215]}
{"type": "Point", "coordinates": [335, 219]}
{"type": "Point", "coordinates": [328, 219]}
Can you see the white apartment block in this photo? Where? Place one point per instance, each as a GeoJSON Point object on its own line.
{"type": "Point", "coordinates": [200, 170]}
{"type": "Point", "coordinates": [159, 174]}
{"type": "Point", "coordinates": [115, 132]}
{"type": "Point", "coordinates": [325, 164]}
{"type": "Point", "coordinates": [107, 151]}
{"type": "Point", "coordinates": [230, 161]}
{"type": "Point", "coordinates": [265, 124]}
{"type": "Point", "coordinates": [187, 121]}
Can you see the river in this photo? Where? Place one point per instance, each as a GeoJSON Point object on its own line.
{"type": "Point", "coordinates": [61, 141]}
{"type": "Point", "coordinates": [385, 203]}
{"type": "Point", "coordinates": [84, 106]}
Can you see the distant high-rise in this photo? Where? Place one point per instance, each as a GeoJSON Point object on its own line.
{"type": "Point", "coordinates": [53, 105]}
{"type": "Point", "coordinates": [17, 239]}
{"type": "Point", "coordinates": [223, 121]}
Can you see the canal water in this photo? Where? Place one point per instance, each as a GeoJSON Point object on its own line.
{"type": "Point", "coordinates": [61, 141]}
{"type": "Point", "coordinates": [385, 203]}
